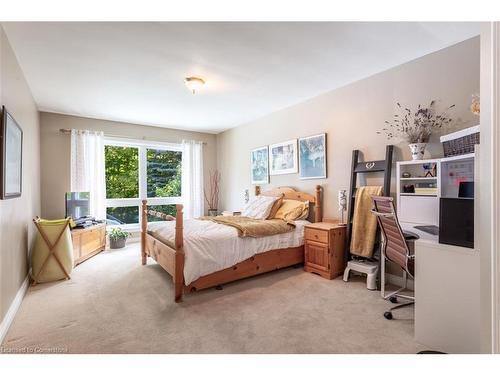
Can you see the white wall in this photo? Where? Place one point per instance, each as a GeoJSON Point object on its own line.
{"type": "Point", "coordinates": [56, 151]}
{"type": "Point", "coordinates": [351, 116]}
{"type": "Point", "coordinates": [16, 228]}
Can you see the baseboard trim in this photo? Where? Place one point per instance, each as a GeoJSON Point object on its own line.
{"type": "Point", "coordinates": [14, 307]}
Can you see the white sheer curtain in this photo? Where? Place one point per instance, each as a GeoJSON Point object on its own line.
{"type": "Point", "coordinates": [87, 168]}
{"type": "Point", "coordinates": [192, 178]}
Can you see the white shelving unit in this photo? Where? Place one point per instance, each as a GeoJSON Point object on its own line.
{"type": "Point", "coordinates": [417, 178]}
{"type": "Point", "coordinates": [423, 208]}
{"type": "Point", "coordinates": [447, 277]}
{"type": "Point", "coordinates": [418, 195]}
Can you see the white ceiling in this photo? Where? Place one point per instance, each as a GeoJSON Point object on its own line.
{"type": "Point", "coordinates": [133, 72]}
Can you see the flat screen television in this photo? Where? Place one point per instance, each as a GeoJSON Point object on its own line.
{"type": "Point", "coordinates": [77, 204]}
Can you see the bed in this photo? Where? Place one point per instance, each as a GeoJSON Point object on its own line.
{"type": "Point", "coordinates": [215, 253]}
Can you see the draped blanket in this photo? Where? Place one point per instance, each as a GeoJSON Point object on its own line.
{"type": "Point", "coordinates": [248, 227]}
{"type": "Point", "coordinates": [364, 224]}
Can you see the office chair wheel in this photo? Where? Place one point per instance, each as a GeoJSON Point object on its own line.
{"type": "Point", "coordinates": [388, 315]}
{"type": "Point", "coordinates": [393, 299]}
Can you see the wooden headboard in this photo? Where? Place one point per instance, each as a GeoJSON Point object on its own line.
{"type": "Point", "coordinates": [291, 193]}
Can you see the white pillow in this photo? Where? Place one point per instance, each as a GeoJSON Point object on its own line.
{"type": "Point", "coordinates": [259, 207]}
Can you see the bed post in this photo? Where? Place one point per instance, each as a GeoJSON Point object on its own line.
{"type": "Point", "coordinates": [179, 253]}
{"type": "Point", "coordinates": [144, 228]}
{"type": "Point", "coordinates": [318, 215]}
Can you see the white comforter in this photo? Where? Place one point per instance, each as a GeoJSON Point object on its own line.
{"type": "Point", "coordinates": [211, 247]}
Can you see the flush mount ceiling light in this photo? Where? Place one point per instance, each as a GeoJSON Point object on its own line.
{"type": "Point", "coordinates": [194, 84]}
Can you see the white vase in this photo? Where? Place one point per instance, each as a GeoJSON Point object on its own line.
{"type": "Point", "coordinates": [417, 150]}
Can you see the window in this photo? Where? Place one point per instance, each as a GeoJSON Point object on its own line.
{"type": "Point", "coordinates": [122, 171]}
{"type": "Point", "coordinates": [164, 173]}
{"type": "Point", "coordinates": [139, 170]}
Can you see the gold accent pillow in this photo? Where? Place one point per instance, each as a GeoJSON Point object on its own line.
{"type": "Point", "coordinates": [291, 209]}
{"type": "Point", "coordinates": [305, 214]}
{"type": "Point", "coordinates": [275, 207]}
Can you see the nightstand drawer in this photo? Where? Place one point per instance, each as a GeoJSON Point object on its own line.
{"type": "Point", "coordinates": [316, 256]}
{"type": "Point", "coordinates": [316, 235]}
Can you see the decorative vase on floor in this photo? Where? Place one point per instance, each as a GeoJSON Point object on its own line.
{"type": "Point", "coordinates": [417, 150]}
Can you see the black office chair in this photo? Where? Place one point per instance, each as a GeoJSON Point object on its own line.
{"type": "Point", "coordinates": [394, 247]}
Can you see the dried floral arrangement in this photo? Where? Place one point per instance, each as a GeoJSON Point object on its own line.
{"type": "Point", "coordinates": [212, 198]}
{"type": "Point", "coordinates": [416, 126]}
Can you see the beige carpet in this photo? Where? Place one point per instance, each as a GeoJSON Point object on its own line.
{"type": "Point", "coordinates": [112, 304]}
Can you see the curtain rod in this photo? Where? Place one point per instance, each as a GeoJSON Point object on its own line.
{"type": "Point", "coordinates": [68, 131]}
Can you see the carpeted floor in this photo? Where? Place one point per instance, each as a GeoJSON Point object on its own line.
{"type": "Point", "coordinates": [112, 304]}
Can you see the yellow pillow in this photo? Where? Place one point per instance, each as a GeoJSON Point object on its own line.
{"type": "Point", "coordinates": [275, 207]}
{"type": "Point", "coordinates": [305, 214]}
{"type": "Point", "coordinates": [291, 209]}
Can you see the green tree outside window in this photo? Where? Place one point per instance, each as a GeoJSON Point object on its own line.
{"type": "Point", "coordinates": [122, 172]}
{"type": "Point", "coordinates": [164, 170]}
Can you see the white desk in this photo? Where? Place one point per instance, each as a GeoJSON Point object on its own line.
{"type": "Point", "coordinates": [447, 309]}
{"type": "Point", "coordinates": [410, 227]}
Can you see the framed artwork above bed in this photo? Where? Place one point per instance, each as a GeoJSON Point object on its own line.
{"type": "Point", "coordinates": [312, 157]}
{"type": "Point", "coordinates": [259, 160]}
{"type": "Point", "coordinates": [283, 157]}
{"type": "Point", "coordinates": [11, 156]}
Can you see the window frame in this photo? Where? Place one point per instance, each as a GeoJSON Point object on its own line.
{"type": "Point", "coordinates": [142, 146]}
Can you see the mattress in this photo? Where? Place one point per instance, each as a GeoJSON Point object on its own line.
{"type": "Point", "coordinates": [210, 247]}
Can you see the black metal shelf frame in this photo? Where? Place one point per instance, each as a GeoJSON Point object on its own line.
{"type": "Point", "coordinates": [357, 167]}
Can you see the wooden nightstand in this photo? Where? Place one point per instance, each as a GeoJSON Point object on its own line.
{"type": "Point", "coordinates": [324, 249]}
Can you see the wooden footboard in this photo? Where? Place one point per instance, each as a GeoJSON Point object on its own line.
{"type": "Point", "coordinates": [171, 259]}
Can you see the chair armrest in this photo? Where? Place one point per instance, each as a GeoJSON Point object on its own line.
{"type": "Point", "coordinates": [410, 236]}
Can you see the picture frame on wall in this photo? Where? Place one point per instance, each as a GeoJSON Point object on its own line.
{"type": "Point", "coordinates": [259, 161]}
{"type": "Point", "coordinates": [283, 158]}
{"type": "Point", "coordinates": [312, 157]}
{"type": "Point", "coordinates": [11, 156]}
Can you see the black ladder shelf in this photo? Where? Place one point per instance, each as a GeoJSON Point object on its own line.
{"type": "Point", "coordinates": [357, 166]}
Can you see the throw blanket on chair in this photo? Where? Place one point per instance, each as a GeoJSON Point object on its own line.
{"type": "Point", "coordinates": [248, 227]}
{"type": "Point", "coordinates": [364, 224]}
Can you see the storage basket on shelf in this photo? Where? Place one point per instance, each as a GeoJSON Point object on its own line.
{"type": "Point", "coordinates": [460, 142]}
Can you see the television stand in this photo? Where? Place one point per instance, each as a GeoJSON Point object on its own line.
{"type": "Point", "coordinates": [88, 242]}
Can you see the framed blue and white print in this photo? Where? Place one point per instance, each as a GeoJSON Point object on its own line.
{"type": "Point", "coordinates": [312, 157]}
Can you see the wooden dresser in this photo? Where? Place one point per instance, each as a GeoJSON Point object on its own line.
{"type": "Point", "coordinates": [324, 249]}
{"type": "Point", "coordinates": [88, 242]}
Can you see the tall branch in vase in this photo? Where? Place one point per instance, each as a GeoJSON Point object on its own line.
{"type": "Point", "coordinates": [212, 197]}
